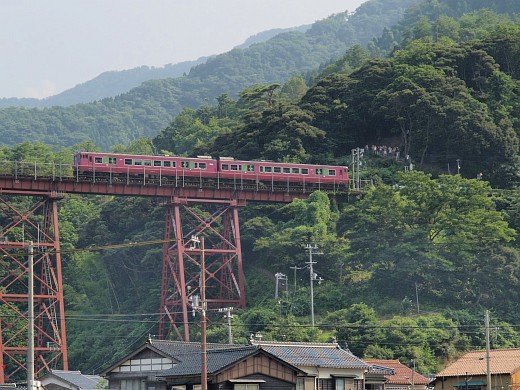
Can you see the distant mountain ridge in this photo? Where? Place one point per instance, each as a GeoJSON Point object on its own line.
{"type": "Point", "coordinates": [107, 84]}
{"type": "Point", "coordinates": [145, 110]}
{"type": "Point", "coordinates": [116, 82]}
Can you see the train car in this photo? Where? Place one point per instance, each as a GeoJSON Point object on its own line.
{"type": "Point", "coordinates": [279, 176]}
{"type": "Point", "coordinates": [138, 168]}
{"type": "Point", "coordinates": [226, 172]}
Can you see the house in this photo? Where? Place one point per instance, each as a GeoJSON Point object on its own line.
{"type": "Point", "coordinates": [469, 372]}
{"type": "Point", "coordinates": [328, 367]}
{"type": "Point", "coordinates": [175, 365]}
{"type": "Point", "coordinates": [402, 378]}
{"type": "Point", "coordinates": [237, 368]}
{"type": "Point", "coordinates": [73, 380]}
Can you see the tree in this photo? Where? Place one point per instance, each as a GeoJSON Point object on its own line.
{"type": "Point", "coordinates": [428, 232]}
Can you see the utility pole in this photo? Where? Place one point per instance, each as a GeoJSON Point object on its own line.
{"type": "Point", "coordinates": [488, 357]}
{"type": "Point", "coordinates": [312, 275]}
{"type": "Point", "coordinates": [295, 269]}
{"type": "Point", "coordinates": [279, 276]}
{"type": "Point", "coordinates": [413, 374]}
{"type": "Point", "coordinates": [356, 167]}
{"type": "Point", "coordinates": [417, 297]}
{"type": "Point", "coordinates": [202, 308]}
{"type": "Point", "coordinates": [30, 317]}
{"type": "Point", "coordinates": [204, 375]}
{"type": "Point", "coordinates": [229, 316]}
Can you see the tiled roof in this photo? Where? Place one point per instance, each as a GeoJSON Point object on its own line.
{"type": "Point", "coordinates": [313, 354]}
{"type": "Point", "coordinates": [402, 374]}
{"type": "Point", "coordinates": [176, 348]}
{"type": "Point", "coordinates": [502, 361]}
{"type": "Point", "coordinates": [77, 379]}
{"type": "Point", "coordinates": [217, 359]}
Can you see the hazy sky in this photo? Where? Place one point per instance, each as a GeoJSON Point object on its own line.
{"type": "Point", "coordinates": [52, 45]}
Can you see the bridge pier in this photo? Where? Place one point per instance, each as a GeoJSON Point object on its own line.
{"type": "Point", "coordinates": [20, 223]}
{"type": "Point", "coordinates": [218, 222]}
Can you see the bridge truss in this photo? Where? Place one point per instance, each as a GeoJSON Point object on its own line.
{"type": "Point", "coordinates": [218, 223]}
{"type": "Point", "coordinates": [24, 219]}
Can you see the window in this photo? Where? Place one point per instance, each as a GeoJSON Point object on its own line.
{"type": "Point", "coordinates": [167, 164]}
{"type": "Point", "coordinates": [138, 162]}
{"type": "Point", "coordinates": [128, 161]}
{"type": "Point", "coordinates": [268, 169]}
{"type": "Point", "coordinates": [148, 163]}
{"type": "Point", "coordinates": [225, 167]}
{"type": "Point", "coordinates": [202, 165]}
{"type": "Point", "coordinates": [277, 170]}
{"type": "Point", "coordinates": [235, 167]}
{"type": "Point", "coordinates": [246, 386]}
{"type": "Point", "coordinates": [296, 170]}
{"type": "Point", "coordinates": [112, 160]}
{"type": "Point", "coordinates": [98, 160]}
{"type": "Point", "coordinates": [286, 170]}
{"type": "Point", "coordinates": [305, 171]}
{"type": "Point", "coordinates": [326, 384]}
{"type": "Point", "coordinates": [133, 384]}
{"type": "Point", "coordinates": [250, 168]}
{"type": "Point", "coordinates": [332, 172]}
{"type": "Point", "coordinates": [157, 163]}
{"type": "Point", "coordinates": [300, 382]}
{"type": "Point", "coordinates": [340, 383]}
{"type": "Point", "coordinates": [319, 171]}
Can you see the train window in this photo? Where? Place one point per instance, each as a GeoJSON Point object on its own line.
{"type": "Point", "coordinates": [296, 170]}
{"type": "Point", "coordinates": [225, 167]}
{"type": "Point", "coordinates": [138, 162]}
{"type": "Point", "coordinates": [261, 169]}
{"type": "Point", "coordinates": [112, 160]}
{"type": "Point", "coordinates": [185, 164]}
{"type": "Point", "coordinates": [250, 168]}
{"type": "Point", "coordinates": [332, 172]}
{"type": "Point", "coordinates": [235, 167]}
{"type": "Point", "coordinates": [277, 169]}
{"type": "Point", "coordinates": [286, 170]}
{"type": "Point", "coordinates": [202, 165]}
{"type": "Point", "coordinates": [305, 171]}
{"type": "Point", "coordinates": [148, 163]}
{"type": "Point", "coordinates": [157, 163]}
{"type": "Point", "coordinates": [98, 160]}
{"type": "Point", "coordinates": [268, 169]}
{"type": "Point", "coordinates": [319, 171]}
{"type": "Point", "coordinates": [128, 161]}
{"type": "Point", "coordinates": [167, 164]}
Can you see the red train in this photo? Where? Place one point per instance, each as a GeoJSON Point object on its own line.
{"type": "Point", "coordinates": [205, 171]}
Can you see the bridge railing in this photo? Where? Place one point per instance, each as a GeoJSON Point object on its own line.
{"type": "Point", "coordinates": [35, 169]}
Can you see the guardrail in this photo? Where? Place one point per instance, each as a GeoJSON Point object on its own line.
{"type": "Point", "coordinates": [35, 169]}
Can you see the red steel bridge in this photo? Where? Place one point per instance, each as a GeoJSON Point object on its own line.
{"type": "Point", "coordinates": [29, 212]}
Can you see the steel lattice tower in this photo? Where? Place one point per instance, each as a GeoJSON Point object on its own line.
{"type": "Point", "coordinates": [23, 219]}
{"type": "Point", "coordinates": [217, 221]}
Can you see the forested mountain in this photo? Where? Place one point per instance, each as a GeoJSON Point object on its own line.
{"type": "Point", "coordinates": [107, 84]}
{"type": "Point", "coordinates": [148, 109]}
{"type": "Point", "coordinates": [113, 83]}
{"type": "Point", "coordinates": [407, 269]}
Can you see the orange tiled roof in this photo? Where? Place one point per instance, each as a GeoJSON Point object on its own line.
{"type": "Point", "coordinates": [403, 374]}
{"type": "Point", "coordinates": [502, 361]}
